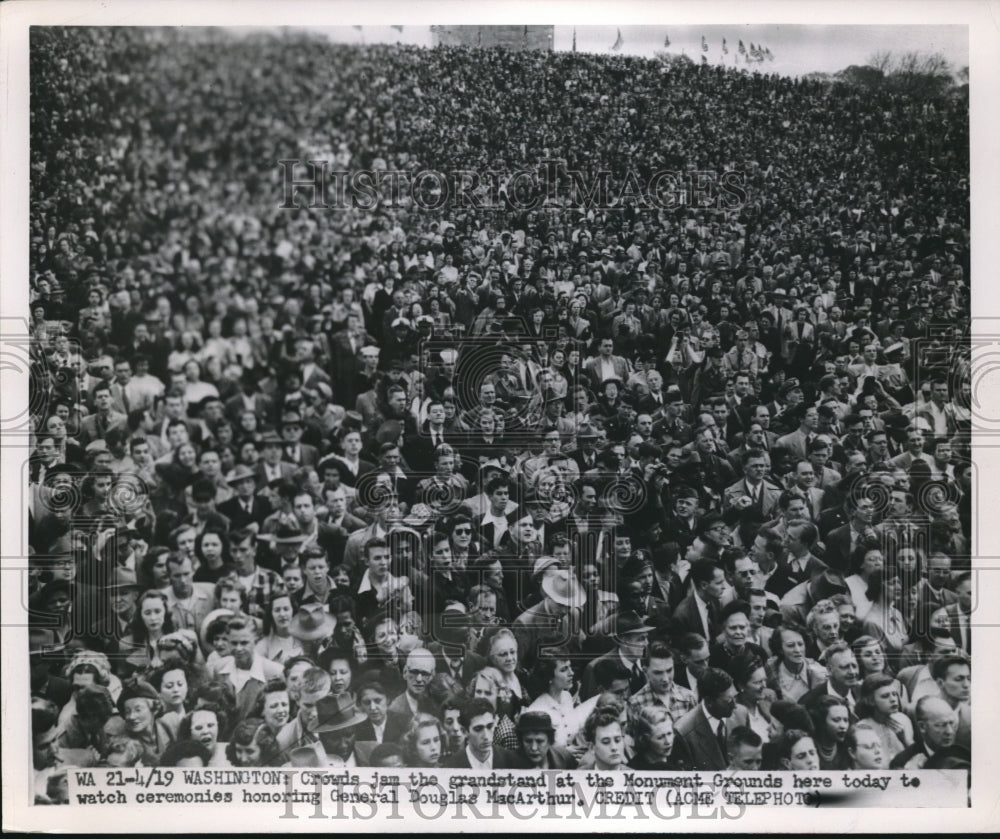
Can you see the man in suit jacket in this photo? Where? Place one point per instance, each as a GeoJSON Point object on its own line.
{"type": "Point", "coordinates": [699, 611]}
{"type": "Point", "coordinates": [245, 507]}
{"type": "Point", "coordinates": [249, 400]}
{"type": "Point", "coordinates": [478, 719]}
{"type": "Point", "coordinates": [844, 681]}
{"type": "Point", "coordinates": [270, 466]}
{"type": "Point", "coordinates": [296, 452]}
{"type": "Point", "coordinates": [705, 728]}
{"type": "Point", "coordinates": [98, 424]}
{"type": "Point", "coordinates": [606, 365]}
{"type": "Point", "coordinates": [937, 723]}
{"type": "Point", "coordinates": [753, 495]}
{"type": "Point", "coordinates": [418, 671]}
{"type": "Point", "coordinates": [797, 442]}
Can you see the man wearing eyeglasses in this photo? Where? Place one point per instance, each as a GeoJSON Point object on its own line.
{"type": "Point", "coordinates": [418, 672]}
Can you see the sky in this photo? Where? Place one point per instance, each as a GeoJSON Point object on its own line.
{"type": "Point", "coordinates": [797, 49]}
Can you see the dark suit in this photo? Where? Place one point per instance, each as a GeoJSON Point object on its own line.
{"type": "Point", "coordinates": [392, 732]}
{"type": "Point", "coordinates": [471, 663]}
{"type": "Point", "coordinates": [234, 510]}
{"type": "Point", "coordinates": [287, 470]}
{"type": "Point", "coordinates": [502, 759]}
{"type": "Point", "coordinates": [810, 698]}
{"type": "Point", "coordinates": [703, 744]}
{"type": "Point", "coordinates": [688, 619]}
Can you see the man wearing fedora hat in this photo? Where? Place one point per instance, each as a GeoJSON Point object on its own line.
{"type": "Point", "coordinates": [246, 506]}
{"type": "Point", "coordinates": [631, 636]}
{"type": "Point", "coordinates": [551, 622]}
{"type": "Point", "coordinates": [294, 450]}
{"type": "Point", "coordinates": [337, 721]}
{"type": "Point", "coordinates": [536, 735]}
{"type": "Point", "coordinates": [270, 466]}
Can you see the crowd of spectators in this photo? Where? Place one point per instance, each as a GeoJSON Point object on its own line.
{"type": "Point", "coordinates": [579, 487]}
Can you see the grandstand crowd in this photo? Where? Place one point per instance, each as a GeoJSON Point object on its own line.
{"type": "Point", "coordinates": [680, 488]}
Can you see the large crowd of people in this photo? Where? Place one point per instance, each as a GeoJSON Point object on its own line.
{"type": "Point", "coordinates": [682, 488]}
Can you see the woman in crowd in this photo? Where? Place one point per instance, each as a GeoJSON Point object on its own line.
{"type": "Point", "coordinates": [880, 706]}
{"type": "Point", "coordinates": [150, 623]}
{"type": "Point", "coordinates": [423, 743]}
{"type": "Point", "coordinates": [831, 720]}
{"type": "Point", "coordinates": [278, 643]}
{"type": "Point", "coordinates": [657, 747]}
{"type": "Point", "coordinates": [139, 706]}
{"type": "Point", "coordinates": [553, 681]}
{"type": "Point", "coordinates": [753, 698]}
{"type": "Point", "coordinates": [253, 744]}
{"type": "Point", "coordinates": [884, 619]}
{"type": "Point", "coordinates": [202, 726]}
{"type": "Point", "coordinates": [173, 682]}
{"type": "Point", "coordinates": [790, 674]}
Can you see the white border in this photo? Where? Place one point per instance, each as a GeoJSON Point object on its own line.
{"type": "Point", "coordinates": [983, 19]}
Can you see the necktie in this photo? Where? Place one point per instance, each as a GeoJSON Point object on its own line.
{"type": "Point", "coordinates": [720, 734]}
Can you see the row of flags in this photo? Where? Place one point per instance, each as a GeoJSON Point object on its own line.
{"type": "Point", "coordinates": [754, 54]}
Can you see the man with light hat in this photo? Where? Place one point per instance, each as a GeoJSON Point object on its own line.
{"type": "Point", "coordinates": [245, 507]}
{"type": "Point", "coordinates": [555, 622]}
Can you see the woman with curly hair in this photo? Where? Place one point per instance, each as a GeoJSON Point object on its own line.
{"type": "Point", "coordinates": [656, 744]}
{"type": "Point", "coordinates": [423, 744]}
{"type": "Point", "coordinates": [790, 674]}
{"type": "Point", "coordinates": [253, 744]}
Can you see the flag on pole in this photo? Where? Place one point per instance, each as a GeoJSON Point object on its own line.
{"type": "Point", "coordinates": [725, 49]}
{"type": "Point", "coordinates": [574, 39]}
{"type": "Point", "coordinates": [617, 45]}
{"type": "Point", "coordinates": [666, 40]}
{"type": "Point", "coordinates": [769, 54]}
{"type": "Point", "coordinates": [703, 59]}
{"type": "Point", "coordinates": [742, 48]}
{"type": "Point", "coordinates": [704, 44]}
{"type": "Point", "coordinates": [397, 28]}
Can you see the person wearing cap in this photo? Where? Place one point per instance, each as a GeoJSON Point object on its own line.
{"type": "Point", "coordinates": [631, 636]}
{"type": "Point", "coordinates": [245, 507]}
{"type": "Point", "coordinates": [554, 622]}
{"type": "Point", "coordinates": [270, 466]}
{"type": "Point", "coordinates": [536, 736]}
{"type": "Point", "coordinates": [139, 705]}
{"type": "Point", "coordinates": [294, 451]}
